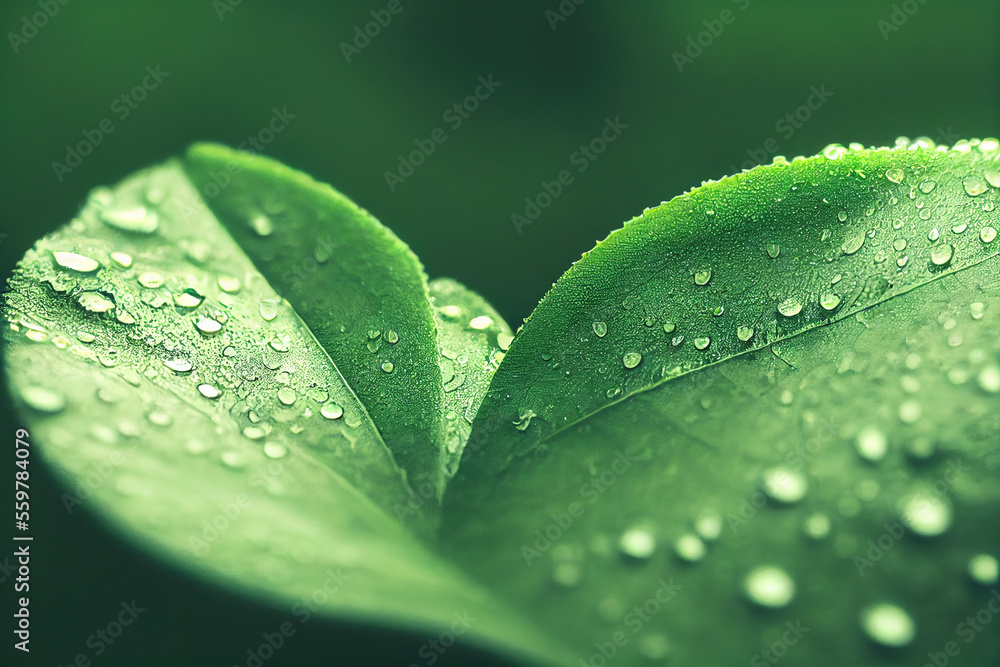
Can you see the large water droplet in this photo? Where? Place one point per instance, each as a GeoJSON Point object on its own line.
{"type": "Point", "coordinates": [631, 359]}
{"type": "Point", "coordinates": [888, 625]}
{"type": "Point", "coordinates": [942, 254]}
{"type": "Point", "coordinates": [286, 396]}
{"type": "Point", "coordinates": [268, 309]}
{"type": "Point", "coordinates": [209, 391]}
{"type": "Point", "coordinates": [75, 262]}
{"type": "Point", "coordinates": [387, 366]}
{"type": "Point", "coordinates": [769, 586]}
{"type": "Point", "coordinates": [784, 484]}
{"type": "Point", "coordinates": [974, 185]}
{"type": "Point", "coordinates": [42, 399]}
{"type": "Point", "coordinates": [853, 243]}
{"type": "Point", "coordinates": [481, 322]}
{"type": "Point", "coordinates": [122, 259]}
{"type": "Point", "coordinates": [208, 326]}
{"type": "Point", "coordinates": [925, 513]}
{"type": "Point", "coordinates": [987, 234]}
{"type": "Point", "coordinates": [702, 342]}
{"type": "Point", "coordinates": [894, 175]}
{"type": "Point", "coordinates": [96, 302]}
{"type": "Point", "coordinates": [189, 298]}
{"type": "Point", "coordinates": [984, 569]}
{"type": "Point", "coordinates": [332, 411]}
{"type": "Point", "coordinates": [637, 543]}
{"type": "Point", "coordinates": [790, 307]}
{"type": "Point", "coordinates": [137, 219]}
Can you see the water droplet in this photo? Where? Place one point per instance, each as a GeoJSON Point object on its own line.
{"type": "Point", "coordinates": [275, 450]}
{"type": "Point", "coordinates": [209, 391]}
{"type": "Point", "coordinates": [773, 250]}
{"type": "Point", "coordinates": [268, 309]}
{"type": "Point", "coordinates": [992, 177]}
{"type": "Point", "coordinates": [942, 254]}
{"type": "Point", "coordinates": [909, 412]}
{"type": "Point", "coordinates": [899, 244]}
{"type": "Point", "coordinates": [676, 340]}
{"type": "Point", "coordinates": [927, 185]}
{"type": "Point", "coordinates": [159, 418]}
{"type": "Point", "coordinates": [901, 262]}
{"type": "Point", "coordinates": [504, 340]}
{"type": "Point", "coordinates": [229, 284]}
{"type": "Point", "coordinates": [332, 411]}
{"type": "Point", "coordinates": [958, 229]}
{"type": "Point", "coordinates": [208, 326]}
{"type": "Point", "coordinates": [708, 525]}
{"type": "Point", "coordinates": [784, 484]}
{"type": "Point", "coordinates": [871, 444]}
{"type": "Point", "coordinates": [933, 235]}
{"type": "Point", "coordinates": [769, 586]}
{"type": "Point", "coordinates": [989, 379]}
{"type": "Point", "coordinates": [842, 216]}
{"type": "Point", "coordinates": [75, 262]}
{"type": "Point", "coordinates": [261, 224]}
{"type": "Point", "coordinates": [744, 333]}
{"type": "Point", "coordinates": [654, 647]}
{"type": "Point", "coordinates": [96, 302]}
{"type": "Point", "coordinates": [984, 569]}
{"type": "Point", "coordinates": [387, 366]}
{"type": "Point", "coordinates": [637, 543]}
{"type": "Point", "coordinates": [481, 322]}
{"type": "Point", "coordinates": [817, 526]}
{"type": "Point", "coordinates": [254, 432]}
{"type": "Point", "coordinates": [702, 342]}
{"type": "Point", "coordinates": [567, 574]}
{"type": "Point", "coordinates": [631, 359]}
{"type": "Point", "coordinates": [178, 365]}
{"type": "Point", "coordinates": [649, 321]}
{"type": "Point", "coordinates": [894, 175]}
{"type": "Point", "coordinates": [702, 277]}
{"type": "Point", "coordinates": [546, 356]}
{"type": "Point", "coordinates": [392, 337]}
{"type": "Point", "coordinates": [790, 307]}
{"type": "Point", "coordinates": [829, 300]}
{"type": "Point", "coordinates": [286, 396]}
{"type": "Point", "coordinates": [689, 548]}
{"type": "Point", "coordinates": [987, 234]}
{"type": "Point", "coordinates": [44, 400]}
{"type": "Point", "coordinates": [189, 298]}
{"type": "Point", "coordinates": [600, 329]}
{"type": "Point", "coordinates": [719, 310]}
{"type": "Point", "coordinates": [925, 513]}
{"type": "Point", "coordinates": [888, 625]}
{"type": "Point", "coordinates": [122, 259]}
{"type": "Point", "coordinates": [137, 219]}
{"type": "Point", "coordinates": [150, 279]}
{"type": "Point", "coordinates": [853, 243]}
{"type": "Point", "coordinates": [974, 185]}
{"type": "Point", "coordinates": [669, 327]}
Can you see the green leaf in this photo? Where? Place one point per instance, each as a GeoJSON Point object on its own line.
{"type": "Point", "coordinates": [351, 279]}
{"type": "Point", "coordinates": [193, 409]}
{"type": "Point", "coordinates": [674, 502]}
{"type": "Point", "coordinates": [471, 337]}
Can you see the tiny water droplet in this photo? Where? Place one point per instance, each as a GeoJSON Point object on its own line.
{"type": "Point", "coordinates": [209, 391]}
{"type": "Point", "coordinates": [853, 243]}
{"type": "Point", "coordinates": [600, 329]}
{"type": "Point", "coordinates": [989, 379]}
{"type": "Point", "coordinates": [229, 284]}
{"type": "Point", "coordinates": [702, 342]}
{"type": "Point", "coordinates": [669, 327]}
{"type": "Point", "coordinates": [286, 396]}
{"type": "Point", "coordinates": [275, 450]}
{"type": "Point", "coordinates": [702, 277]}
{"type": "Point", "coordinates": [744, 333]}
{"type": "Point", "coordinates": [42, 399]}
{"type": "Point", "coordinates": [784, 484]}
{"type": "Point", "coordinates": [387, 366]}
{"type": "Point", "coordinates": [689, 548]}
{"type": "Point", "coordinates": [829, 300]}
{"type": "Point", "coordinates": [178, 365]}
{"type": "Point", "coordinates": [122, 259]}
{"type": "Point", "coordinates": [871, 444]}
{"type": "Point", "coordinates": [842, 216]}
{"type": "Point", "coordinates": [637, 543]}
{"type": "Point", "coordinates": [261, 225]}
{"type": "Point", "coordinates": [927, 185]}
{"type": "Point", "coordinates": [208, 326]}
{"type": "Point", "coordinates": [974, 185]}
{"type": "Point", "coordinates": [268, 309]}
{"type": "Point", "coordinates": [987, 234]}
{"type": "Point", "coordinates": [391, 337]}
{"type": "Point", "coordinates": [934, 234]}
{"type": "Point", "coordinates": [899, 244]}
{"type": "Point", "coordinates": [894, 175]}
{"type": "Point", "coordinates": [773, 250]}
{"type": "Point", "coordinates": [189, 298]}
{"type": "Point", "coordinates": [817, 526]}
{"type": "Point", "coordinates": [958, 229]}
{"type": "Point", "coordinates": [150, 279]}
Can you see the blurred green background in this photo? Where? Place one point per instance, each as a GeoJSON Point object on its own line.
{"type": "Point", "coordinates": [230, 65]}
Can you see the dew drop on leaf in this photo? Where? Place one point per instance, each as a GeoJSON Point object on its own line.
{"type": "Point", "coordinates": [75, 262]}
{"type": "Point", "coordinates": [888, 625]}
{"type": "Point", "coordinates": [769, 586]}
{"type": "Point", "coordinates": [790, 307]}
{"type": "Point", "coordinates": [744, 333]}
{"type": "Point", "coordinates": [136, 219]}
{"type": "Point", "coordinates": [332, 411]}
{"type": "Point", "coordinates": [631, 359]}
{"type": "Point", "coordinates": [942, 254]}
{"type": "Point", "coordinates": [702, 277]}
{"type": "Point", "coordinates": [600, 329]}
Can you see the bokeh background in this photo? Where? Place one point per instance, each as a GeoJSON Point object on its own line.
{"type": "Point", "coordinates": [563, 69]}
